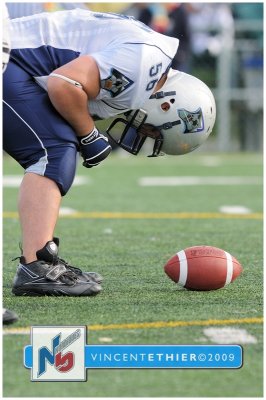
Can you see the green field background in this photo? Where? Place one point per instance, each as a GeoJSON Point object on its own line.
{"type": "Point", "coordinates": [130, 254]}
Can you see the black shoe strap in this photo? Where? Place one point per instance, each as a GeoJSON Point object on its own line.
{"type": "Point", "coordinates": [55, 272]}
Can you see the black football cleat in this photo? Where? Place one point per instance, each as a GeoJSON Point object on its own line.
{"type": "Point", "coordinates": [40, 278]}
{"type": "Point", "coordinates": [9, 317]}
{"type": "Point", "coordinates": [51, 276]}
{"type": "Point", "coordinates": [49, 253]}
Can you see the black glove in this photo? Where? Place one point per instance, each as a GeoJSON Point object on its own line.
{"type": "Point", "coordinates": [94, 148]}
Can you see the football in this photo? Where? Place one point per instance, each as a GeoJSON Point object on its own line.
{"type": "Point", "coordinates": [202, 268]}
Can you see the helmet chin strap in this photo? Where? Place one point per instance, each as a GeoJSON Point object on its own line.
{"type": "Point", "coordinates": [162, 94]}
{"type": "Point", "coordinates": [169, 125]}
{"type": "Point", "coordinates": [156, 152]}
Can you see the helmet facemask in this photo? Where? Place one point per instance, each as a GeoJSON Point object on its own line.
{"type": "Point", "coordinates": [135, 132]}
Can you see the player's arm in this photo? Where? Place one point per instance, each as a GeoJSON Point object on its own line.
{"type": "Point", "coordinates": [71, 101]}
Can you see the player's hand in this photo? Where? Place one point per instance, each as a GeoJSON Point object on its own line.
{"type": "Point", "coordinates": [94, 148]}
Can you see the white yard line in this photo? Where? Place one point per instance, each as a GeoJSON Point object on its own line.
{"type": "Point", "coordinates": [14, 181]}
{"type": "Point", "coordinates": [234, 209]}
{"type": "Point", "coordinates": [229, 335]}
{"type": "Point", "coordinates": [67, 211]}
{"type": "Point", "coordinates": [198, 180]}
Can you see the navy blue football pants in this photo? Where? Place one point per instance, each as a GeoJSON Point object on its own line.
{"type": "Point", "coordinates": [34, 133]}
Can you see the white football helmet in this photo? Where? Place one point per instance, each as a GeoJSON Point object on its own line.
{"type": "Point", "coordinates": [179, 117]}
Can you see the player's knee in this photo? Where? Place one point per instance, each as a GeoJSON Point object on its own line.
{"type": "Point", "coordinates": [64, 183]}
{"type": "Point", "coordinates": [61, 167]}
{"type": "Point", "coordinates": [66, 170]}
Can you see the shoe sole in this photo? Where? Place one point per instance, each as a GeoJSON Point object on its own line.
{"type": "Point", "coordinates": [20, 291]}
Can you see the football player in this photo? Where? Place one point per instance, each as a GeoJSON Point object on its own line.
{"type": "Point", "coordinates": [8, 316]}
{"type": "Point", "coordinates": [68, 69]}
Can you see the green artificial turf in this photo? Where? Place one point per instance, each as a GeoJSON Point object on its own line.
{"type": "Point", "coordinates": [130, 253]}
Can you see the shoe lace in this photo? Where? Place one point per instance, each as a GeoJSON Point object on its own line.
{"type": "Point", "coordinates": [68, 277]}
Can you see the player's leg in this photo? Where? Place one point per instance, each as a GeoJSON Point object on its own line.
{"type": "Point", "coordinates": [38, 206]}
{"type": "Point", "coordinates": [45, 146]}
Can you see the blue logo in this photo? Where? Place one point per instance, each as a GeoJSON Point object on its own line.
{"type": "Point", "coordinates": [62, 362]}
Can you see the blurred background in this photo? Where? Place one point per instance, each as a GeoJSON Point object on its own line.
{"type": "Point", "coordinates": [220, 43]}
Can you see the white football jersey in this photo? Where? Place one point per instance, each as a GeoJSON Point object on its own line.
{"type": "Point", "coordinates": [6, 46]}
{"type": "Point", "coordinates": [130, 56]}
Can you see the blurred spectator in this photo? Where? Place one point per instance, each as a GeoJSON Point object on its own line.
{"type": "Point", "coordinates": [115, 7]}
{"type": "Point", "coordinates": [145, 14]}
{"type": "Point", "coordinates": [18, 10]}
{"type": "Point", "coordinates": [140, 11]}
{"type": "Point", "coordinates": [170, 19]}
{"type": "Point", "coordinates": [179, 28]}
{"type": "Point", "coordinates": [250, 74]}
{"type": "Point", "coordinates": [160, 20]}
{"type": "Point", "coordinates": [151, 14]}
{"type": "Point", "coordinates": [212, 27]}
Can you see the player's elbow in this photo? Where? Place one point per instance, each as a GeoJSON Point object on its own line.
{"type": "Point", "coordinates": [55, 87]}
{"type": "Point", "coordinates": [62, 94]}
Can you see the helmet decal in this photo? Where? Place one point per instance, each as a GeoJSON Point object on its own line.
{"type": "Point", "coordinates": [116, 83]}
{"type": "Point", "coordinates": [193, 120]}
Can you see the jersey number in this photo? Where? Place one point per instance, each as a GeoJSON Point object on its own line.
{"type": "Point", "coordinates": [154, 71]}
